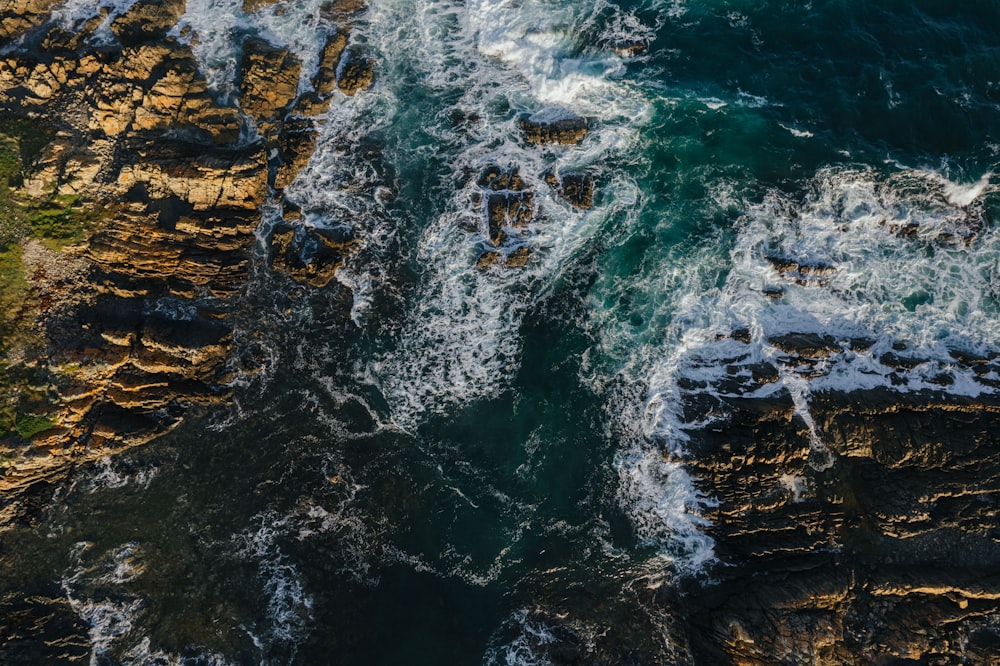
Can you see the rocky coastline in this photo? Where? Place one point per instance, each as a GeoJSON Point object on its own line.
{"type": "Point", "coordinates": [161, 185]}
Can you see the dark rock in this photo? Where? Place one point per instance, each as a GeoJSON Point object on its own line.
{"type": "Point", "coordinates": [576, 188]}
{"type": "Point", "coordinates": [147, 20]}
{"type": "Point", "coordinates": [565, 129]}
{"type": "Point", "coordinates": [310, 255]}
{"type": "Point", "coordinates": [326, 75]}
{"type": "Point", "coordinates": [355, 73]}
{"type": "Point", "coordinates": [741, 335]}
{"type": "Point", "coordinates": [806, 345]}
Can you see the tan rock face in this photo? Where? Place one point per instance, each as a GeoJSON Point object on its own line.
{"type": "Point", "coordinates": [148, 19]}
{"type": "Point", "coordinates": [19, 16]}
{"type": "Point", "coordinates": [356, 73]}
{"type": "Point", "coordinates": [270, 81]}
{"type": "Point", "coordinates": [143, 140]}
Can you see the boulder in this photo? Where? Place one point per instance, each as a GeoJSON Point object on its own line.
{"type": "Point", "coordinates": [355, 73]}
{"type": "Point", "coordinates": [148, 20]}
{"type": "Point", "coordinates": [576, 188]}
{"type": "Point", "coordinates": [560, 128]}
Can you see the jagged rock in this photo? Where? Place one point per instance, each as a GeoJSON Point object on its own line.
{"type": "Point", "coordinates": [310, 255]}
{"type": "Point", "coordinates": [806, 345]}
{"type": "Point", "coordinates": [296, 145]}
{"type": "Point", "coordinates": [250, 6]}
{"type": "Point", "coordinates": [147, 20]}
{"type": "Point", "coordinates": [884, 551]}
{"type": "Point", "coordinates": [518, 258]}
{"type": "Point", "coordinates": [560, 128]}
{"type": "Point", "coordinates": [19, 16]}
{"type": "Point", "coordinates": [627, 48]}
{"type": "Point", "coordinates": [508, 204]}
{"type": "Point", "coordinates": [326, 74]}
{"type": "Point", "coordinates": [807, 274]}
{"type": "Point", "coordinates": [507, 209]}
{"type": "Point", "coordinates": [342, 11]}
{"type": "Point", "coordinates": [270, 81]}
{"type": "Point", "coordinates": [356, 72]}
{"type": "Point", "coordinates": [576, 188]}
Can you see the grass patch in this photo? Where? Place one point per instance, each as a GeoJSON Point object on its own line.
{"type": "Point", "coordinates": [29, 425]}
{"type": "Point", "coordinates": [25, 402]}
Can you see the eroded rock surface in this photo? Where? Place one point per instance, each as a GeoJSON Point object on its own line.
{"type": "Point", "coordinates": [140, 333]}
{"type": "Point", "coordinates": [873, 539]}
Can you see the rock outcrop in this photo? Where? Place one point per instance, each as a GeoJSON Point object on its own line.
{"type": "Point", "coordinates": [563, 128]}
{"type": "Point", "coordinates": [872, 539]}
{"type": "Point", "coordinates": [119, 351]}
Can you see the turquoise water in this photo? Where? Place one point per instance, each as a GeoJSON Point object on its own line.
{"type": "Point", "coordinates": [457, 466]}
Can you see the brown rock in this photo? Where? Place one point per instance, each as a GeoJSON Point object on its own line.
{"type": "Point", "coordinates": [147, 20]}
{"type": "Point", "coordinates": [270, 81]}
{"type": "Point", "coordinates": [564, 129]}
{"type": "Point", "coordinates": [310, 255]}
{"type": "Point", "coordinates": [576, 188]}
{"type": "Point", "coordinates": [19, 16]}
{"type": "Point", "coordinates": [326, 75]}
{"type": "Point", "coordinates": [356, 72]}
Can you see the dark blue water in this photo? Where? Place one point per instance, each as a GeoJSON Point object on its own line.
{"type": "Point", "coordinates": [445, 465]}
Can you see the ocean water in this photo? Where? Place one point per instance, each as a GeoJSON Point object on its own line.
{"type": "Point", "coordinates": [442, 464]}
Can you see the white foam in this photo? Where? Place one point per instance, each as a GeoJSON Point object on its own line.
{"type": "Point", "coordinates": [802, 134]}
{"type": "Point", "coordinates": [110, 617]}
{"type": "Point", "coordinates": [216, 27]}
{"type": "Point", "coordinates": [524, 648]}
{"type": "Point", "coordinates": [460, 342]}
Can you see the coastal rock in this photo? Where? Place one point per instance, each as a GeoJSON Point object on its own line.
{"type": "Point", "coordinates": [310, 255]}
{"type": "Point", "coordinates": [19, 16]}
{"type": "Point", "coordinates": [148, 20]}
{"type": "Point", "coordinates": [128, 322]}
{"type": "Point", "coordinates": [270, 81]}
{"type": "Point", "coordinates": [325, 79]}
{"type": "Point", "coordinates": [576, 188]}
{"type": "Point", "coordinates": [562, 128]}
{"type": "Point", "coordinates": [355, 73]}
{"type": "Point", "coordinates": [866, 543]}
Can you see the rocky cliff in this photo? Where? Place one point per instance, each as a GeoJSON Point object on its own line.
{"type": "Point", "coordinates": [871, 539]}
{"type": "Point", "coordinates": [132, 198]}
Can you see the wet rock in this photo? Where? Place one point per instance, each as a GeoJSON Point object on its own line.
{"type": "Point", "coordinates": [296, 145]}
{"type": "Point", "coordinates": [576, 188]}
{"type": "Point", "coordinates": [356, 72]}
{"type": "Point", "coordinates": [326, 75]}
{"type": "Point", "coordinates": [886, 553]}
{"type": "Point", "coordinates": [250, 6]}
{"type": "Point", "coordinates": [806, 345]}
{"type": "Point", "coordinates": [561, 128]}
{"type": "Point", "coordinates": [270, 81]}
{"type": "Point", "coordinates": [147, 20]}
{"type": "Point", "coordinates": [807, 274]}
{"type": "Point", "coordinates": [517, 258]}
{"type": "Point", "coordinates": [310, 255]}
{"type": "Point", "coordinates": [508, 204]}
{"type": "Point", "coordinates": [627, 48]}
{"type": "Point", "coordinates": [741, 335]}
{"type": "Point", "coordinates": [507, 209]}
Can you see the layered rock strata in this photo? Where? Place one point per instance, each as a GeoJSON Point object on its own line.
{"type": "Point", "coordinates": [140, 333]}
{"type": "Point", "coordinates": [871, 538]}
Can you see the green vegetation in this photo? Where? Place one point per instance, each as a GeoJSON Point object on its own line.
{"type": "Point", "coordinates": [56, 221]}
{"type": "Point", "coordinates": [25, 402]}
